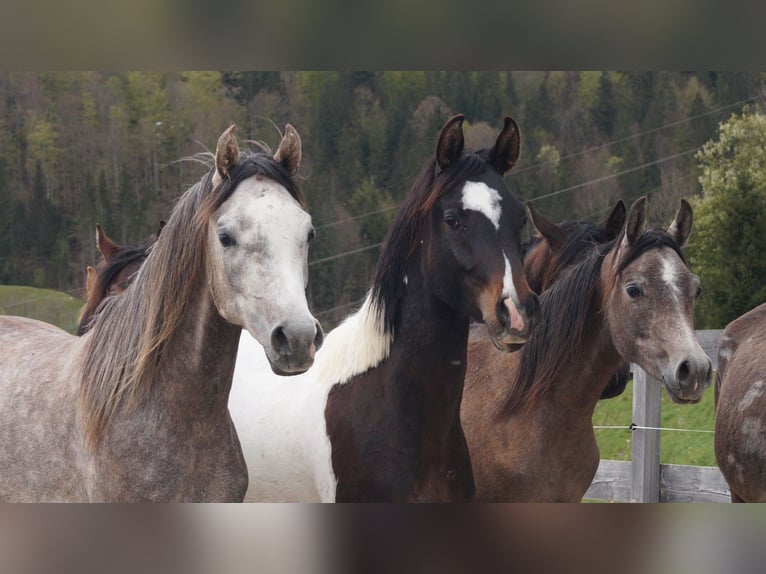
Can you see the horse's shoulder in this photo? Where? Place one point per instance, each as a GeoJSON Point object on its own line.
{"type": "Point", "coordinates": [18, 326]}
{"type": "Point", "coordinates": [747, 329]}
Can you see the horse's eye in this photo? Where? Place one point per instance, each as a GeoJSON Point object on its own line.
{"type": "Point", "coordinates": [312, 234]}
{"type": "Point", "coordinates": [633, 291]}
{"type": "Point", "coordinates": [225, 239]}
{"type": "Point", "coordinates": [699, 291]}
{"type": "Point", "coordinates": [451, 221]}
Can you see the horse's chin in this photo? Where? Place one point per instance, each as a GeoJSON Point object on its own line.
{"type": "Point", "coordinates": [505, 341]}
{"type": "Point", "coordinates": [277, 371]}
{"type": "Point", "coordinates": [681, 400]}
{"type": "Point", "coordinates": [283, 367]}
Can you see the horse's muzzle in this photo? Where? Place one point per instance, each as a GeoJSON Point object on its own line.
{"type": "Point", "coordinates": [293, 347]}
{"type": "Point", "coordinates": [514, 323]}
{"type": "Point", "coordinates": [687, 380]}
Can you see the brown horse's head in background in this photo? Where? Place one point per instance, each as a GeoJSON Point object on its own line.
{"type": "Point", "coordinates": [113, 273]}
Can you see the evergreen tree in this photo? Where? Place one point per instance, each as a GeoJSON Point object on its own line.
{"type": "Point", "coordinates": [729, 240]}
{"type": "Point", "coordinates": [603, 112]}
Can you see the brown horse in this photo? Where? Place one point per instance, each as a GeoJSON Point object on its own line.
{"type": "Point", "coordinates": [113, 273]}
{"type": "Point", "coordinates": [740, 393]}
{"type": "Point", "coordinates": [136, 409]}
{"type": "Point", "coordinates": [527, 416]}
{"type": "Point", "coordinates": [378, 416]}
{"type": "Point", "coordinates": [557, 247]}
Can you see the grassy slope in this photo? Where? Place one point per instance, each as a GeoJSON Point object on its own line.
{"type": "Point", "coordinates": [44, 304]}
{"type": "Point", "coordinates": [675, 447]}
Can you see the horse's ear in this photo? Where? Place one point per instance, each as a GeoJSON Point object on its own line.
{"type": "Point", "coordinates": [505, 153]}
{"type": "Point", "coordinates": [634, 226]}
{"type": "Point", "coordinates": [549, 230]}
{"type": "Point", "coordinates": [615, 222]}
{"type": "Point", "coordinates": [451, 142]}
{"type": "Point", "coordinates": [681, 228]}
{"type": "Point", "coordinates": [226, 155]}
{"type": "Point", "coordinates": [90, 279]}
{"type": "Point", "coordinates": [289, 152]}
{"type": "Point", "coordinates": [108, 248]}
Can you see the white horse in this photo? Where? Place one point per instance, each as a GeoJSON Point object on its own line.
{"type": "Point", "coordinates": [136, 409]}
{"type": "Point", "coordinates": [281, 427]}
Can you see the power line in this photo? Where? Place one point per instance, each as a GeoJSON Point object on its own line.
{"type": "Point", "coordinates": [344, 254]}
{"type": "Point", "coordinates": [544, 196]}
{"type": "Point", "coordinates": [637, 135]}
{"type": "Point", "coordinates": [613, 175]}
{"type": "Point", "coordinates": [571, 155]}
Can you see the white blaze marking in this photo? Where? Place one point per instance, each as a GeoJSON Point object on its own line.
{"type": "Point", "coordinates": [669, 274]}
{"type": "Point", "coordinates": [509, 289]}
{"type": "Point", "coordinates": [478, 196]}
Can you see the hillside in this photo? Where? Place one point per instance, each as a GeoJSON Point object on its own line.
{"type": "Point", "coordinates": [46, 305]}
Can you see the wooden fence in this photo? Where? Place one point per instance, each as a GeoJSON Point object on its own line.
{"type": "Point", "coordinates": [644, 479]}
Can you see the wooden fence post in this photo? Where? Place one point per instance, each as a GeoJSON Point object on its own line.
{"type": "Point", "coordinates": [645, 478]}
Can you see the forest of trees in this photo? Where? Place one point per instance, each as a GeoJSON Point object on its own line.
{"type": "Point", "coordinates": [77, 148]}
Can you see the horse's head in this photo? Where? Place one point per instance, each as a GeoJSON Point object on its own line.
{"type": "Point", "coordinates": [650, 304]}
{"type": "Point", "coordinates": [560, 246]}
{"type": "Point", "coordinates": [476, 236]}
{"type": "Point", "coordinates": [257, 252]}
{"type": "Point", "coordinates": [113, 274]}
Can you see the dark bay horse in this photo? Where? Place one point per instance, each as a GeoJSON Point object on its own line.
{"type": "Point", "coordinates": [740, 394]}
{"type": "Point", "coordinates": [113, 273]}
{"type": "Point", "coordinates": [377, 417]}
{"type": "Point", "coordinates": [527, 416]}
{"type": "Point", "coordinates": [136, 408]}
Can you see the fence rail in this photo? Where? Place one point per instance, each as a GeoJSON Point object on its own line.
{"type": "Point", "coordinates": [644, 479]}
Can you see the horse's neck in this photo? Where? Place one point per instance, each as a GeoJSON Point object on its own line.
{"type": "Point", "coordinates": [594, 361]}
{"type": "Point", "coordinates": [429, 351]}
{"type": "Point", "coordinates": [395, 429]}
{"type": "Point", "coordinates": [198, 361]}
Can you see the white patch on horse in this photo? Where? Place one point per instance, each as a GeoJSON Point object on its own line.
{"type": "Point", "coordinates": [281, 427]}
{"type": "Point", "coordinates": [405, 280]}
{"type": "Point", "coordinates": [669, 274]}
{"type": "Point", "coordinates": [353, 347]}
{"type": "Point", "coordinates": [456, 362]}
{"type": "Point", "coordinates": [478, 196]}
{"type": "Point", "coordinates": [509, 289]}
{"type": "Point", "coordinates": [753, 435]}
{"type": "Point", "coordinates": [753, 393]}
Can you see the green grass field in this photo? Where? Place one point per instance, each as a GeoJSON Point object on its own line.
{"type": "Point", "coordinates": [44, 304]}
{"type": "Point", "coordinates": [675, 447]}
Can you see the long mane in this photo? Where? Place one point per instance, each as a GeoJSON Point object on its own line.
{"type": "Point", "coordinates": [568, 309]}
{"type": "Point", "coordinates": [128, 337]}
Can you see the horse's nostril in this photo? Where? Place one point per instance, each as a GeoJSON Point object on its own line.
{"type": "Point", "coordinates": [683, 371]}
{"type": "Point", "coordinates": [280, 341]}
{"type": "Point", "coordinates": [503, 315]}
